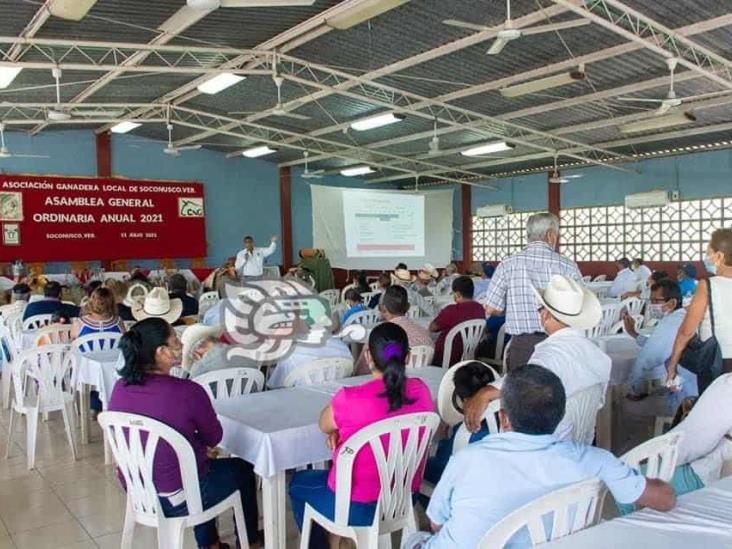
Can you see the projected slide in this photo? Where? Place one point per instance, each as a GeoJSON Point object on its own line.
{"type": "Point", "coordinates": [383, 224]}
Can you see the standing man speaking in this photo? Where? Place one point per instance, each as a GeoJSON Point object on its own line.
{"type": "Point", "coordinates": [249, 263]}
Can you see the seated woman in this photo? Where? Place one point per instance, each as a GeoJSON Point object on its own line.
{"type": "Point", "coordinates": [150, 349]}
{"type": "Point", "coordinates": [389, 394]}
{"type": "Point", "coordinates": [354, 302]}
{"type": "Point", "coordinates": [468, 379]}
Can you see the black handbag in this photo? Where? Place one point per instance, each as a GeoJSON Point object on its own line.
{"type": "Point", "coordinates": [704, 357]}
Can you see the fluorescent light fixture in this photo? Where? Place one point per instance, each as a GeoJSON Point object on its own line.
{"type": "Point", "coordinates": [258, 151]}
{"type": "Point", "coordinates": [544, 83]}
{"type": "Point", "coordinates": [7, 75]}
{"type": "Point", "coordinates": [357, 170]}
{"type": "Point", "coordinates": [219, 82]}
{"type": "Point", "coordinates": [124, 127]}
{"type": "Point", "coordinates": [73, 10]}
{"type": "Point", "coordinates": [376, 121]}
{"type": "Point", "coordinates": [487, 148]}
{"type": "Point", "coordinates": [362, 12]}
{"type": "Point", "coordinates": [658, 122]}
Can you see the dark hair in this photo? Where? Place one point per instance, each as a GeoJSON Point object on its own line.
{"type": "Point", "coordinates": [389, 347]}
{"type": "Point", "coordinates": [534, 399]}
{"type": "Point", "coordinates": [93, 285]}
{"type": "Point", "coordinates": [384, 280]}
{"type": "Point", "coordinates": [139, 345]}
{"type": "Point", "coordinates": [102, 302]}
{"type": "Point", "coordinates": [670, 289]}
{"type": "Point", "coordinates": [361, 284]}
{"type": "Point", "coordinates": [400, 266]}
{"type": "Point", "coordinates": [21, 289]}
{"type": "Point", "coordinates": [488, 270]}
{"type": "Point", "coordinates": [464, 285]}
{"type": "Point", "coordinates": [657, 276]}
{"type": "Point", "coordinates": [139, 276]}
{"type": "Point", "coordinates": [353, 294]}
{"type": "Point", "coordinates": [52, 289]}
{"type": "Point", "coordinates": [469, 379]}
{"type": "Point", "coordinates": [688, 269]}
{"type": "Point", "coordinates": [639, 260]}
{"type": "Point", "coordinates": [721, 241]}
{"type": "Point", "coordinates": [395, 300]}
{"type": "Point", "coordinates": [247, 237]}
{"type": "Point", "coordinates": [624, 262]}
{"type": "Point", "coordinates": [177, 283]}
{"type": "Point", "coordinates": [60, 316]}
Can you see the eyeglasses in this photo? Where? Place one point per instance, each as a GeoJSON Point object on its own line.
{"type": "Point", "coordinates": [658, 301]}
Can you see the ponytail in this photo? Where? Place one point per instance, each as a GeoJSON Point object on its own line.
{"type": "Point", "coordinates": [389, 347]}
{"type": "Point", "coordinates": [139, 345]}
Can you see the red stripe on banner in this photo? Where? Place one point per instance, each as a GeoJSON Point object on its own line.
{"type": "Point", "coordinates": [390, 247]}
{"type": "Point", "coordinates": [49, 218]}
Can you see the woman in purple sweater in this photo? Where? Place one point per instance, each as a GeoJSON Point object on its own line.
{"type": "Point", "coordinates": [150, 349]}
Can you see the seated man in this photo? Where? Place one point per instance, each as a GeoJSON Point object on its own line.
{"type": "Point", "coordinates": [491, 478]}
{"type": "Point", "coordinates": [50, 303]}
{"type": "Point", "coordinates": [20, 292]}
{"type": "Point", "coordinates": [686, 275]}
{"type": "Point", "coordinates": [178, 287]}
{"type": "Point", "coordinates": [463, 309]}
{"type": "Point", "coordinates": [625, 281]}
{"type": "Point", "coordinates": [444, 285]}
{"type": "Point", "coordinates": [425, 284]}
{"type": "Point", "coordinates": [567, 308]}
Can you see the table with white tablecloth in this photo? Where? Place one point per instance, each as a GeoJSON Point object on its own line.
{"type": "Point", "coordinates": [700, 519]}
{"type": "Point", "coordinates": [96, 369]}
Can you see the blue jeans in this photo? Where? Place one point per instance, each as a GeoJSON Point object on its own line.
{"type": "Point", "coordinates": [223, 477]}
{"type": "Point", "coordinates": [312, 487]}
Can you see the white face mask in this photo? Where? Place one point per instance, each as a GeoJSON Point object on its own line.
{"type": "Point", "coordinates": [655, 311]}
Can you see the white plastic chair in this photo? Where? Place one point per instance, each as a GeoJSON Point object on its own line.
{"type": "Point", "coordinates": [497, 359]}
{"type": "Point", "coordinates": [447, 411]}
{"type": "Point", "coordinates": [319, 371]}
{"type": "Point", "coordinates": [581, 498]}
{"type": "Point", "coordinates": [420, 355]}
{"type": "Point", "coordinates": [633, 305]}
{"type": "Point", "coordinates": [36, 321]}
{"type": "Point", "coordinates": [413, 312]}
{"type": "Point", "coordinates": [409, 437]}
{"type": "Point", "coordinates": [41, 384]}
{"type": "Point", "coordinates": [369, 317]}
{"type": "Point", "coordinates": [600, 278]}
{"type": "Point", "coordinates": [206, 301]}
{"type": "Point", "coordinates": [366, 296]}
{"type": "Point", "coordinates": [60, 333]}
{"type": "Point", "coordinates": [586, 279]}
{"type": "Point", "coordinates": [134, 457]}
{"type": "Point", "coordinates": [7, 354]}
{"type": "Point", "coordinates": [659, 455]}
{"type": "Point", "coordinates": [470, 332]}
{"type": "Point", "coordinates": [610, 317]}
{"type": "Point", "coordinates": [374, 286]}
{"type": "Point", "coordinates": [581, 410]}
{"type": "Point", "coordinates": [344, 290]}
{"type": "Point", "coordinates": [462, 435]}
{"type": "Point", "coordinates": [228, 383]}
{"type": "Point", "coordinates": [331, 296]}
{"type": "Point", "coordinates": [97, 342]}
{"type": "Point", "coordinates": [17, 307]}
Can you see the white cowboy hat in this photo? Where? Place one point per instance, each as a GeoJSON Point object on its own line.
{"type": "Point", "coordinates": [445, 402]}
{"type": "Point", "coordinates": [403, 275]}
{"type": "Point", "coordinates": [135, 294]}
{"type": "Point", "coordinates": [157, 304]}
{"type": "Point", "coordinates": [430, 270]}
{"type": "Point", "coordinates": [570, 303]}
{"type": "Point", "coordinates": [192, 336]}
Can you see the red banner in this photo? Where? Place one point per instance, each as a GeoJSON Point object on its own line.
{"type": "Point", "coordinates": [79, 218]}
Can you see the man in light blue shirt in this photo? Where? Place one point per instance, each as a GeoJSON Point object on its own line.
{"type": "Point", "coordinates": [625, 281]}
{"type": "Point", "coordinates": [488, 480]}
{"type": "Point", "coordinates": [664, 307]}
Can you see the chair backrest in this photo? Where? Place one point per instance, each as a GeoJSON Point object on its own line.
{"type": "Point", "coordinates": [462, 435]}
{"type": "Point", "coordinates": [344, 290]}
{"type": "Point", "coordinates": [420, 355]}
{"type": "Point", "coordinates": [331, 296]}
{"type": "Point", "coordinates": [397, 461]}
{"type": "Point", "coordinates": [633, 305]}
{"type": "Point", "coordinates": [573, 508]}
{"type": "Point", "coordinates": [229, 383]}
{"type": "Point", "coordinates": [500, 343]}
{"type": "Point", "coordinates": [8, 350]}
{"type": "Point", "coordinates": [37, 321]}
{"type": "Point", "coordinates": [659, 455]}
{"type": "Point", "coordinates": [366, 296]}
{"type": "Point", "coordinates": [271, 271]}
{"type": "Point", "coordinates": [58, 333]}
{"type": "Point", "coordinates": [49, 367]}
{"type": "Point", "coordinates": [413, 312]}
{"type": "Point", "coordinates": [133, 440]}
{"type": "Point", "coordinates": [374, 286]}
{"type": "Point", "coordinates": [207, 300]}
{"type": "Point", "coordinates": [14, 323]}
{"type": "Point", "coordinates": [470, 332]}
{"type": "Point", "coordinates": [600, 278]}
{"type": "Point", "coordinates": [96, 342]}
{"type": "Point", "coordinates": [445, 407]}
{"type": "Point", "coordinates": [17, 307]}
{"type": "Point", "coordinates": [586, 279]}
{"type": "Point", "coordinates": [369, 317]}
{"type": "Point", "coordinates": [610, 316]}
{"type": "Point", "coordinates": [319, 371]}
{"type": "Point", "coordinates": [581, 411]}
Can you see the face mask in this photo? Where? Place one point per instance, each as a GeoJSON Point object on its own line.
{"type": "Point", "coordinates": [655, 311]}
{"type": "Point", "coordinates": [709, 265]}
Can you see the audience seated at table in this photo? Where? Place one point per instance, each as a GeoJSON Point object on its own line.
{"type": "Point", "coordinates": [150, 349]}
{"type": "Point", "coordinates": [686, 275]}
{"type": "Point", "coordinates": [625, 281]}
{"type": "Point", "coordinates": [99, 314]}
{"type": "Point", "coordinates": [354, 304]}
{"type": "Point", "coordinates": [389, 394]}
{"type": "Point", "coordinates": [566, 308]}
{"type": "Point", "coordinates": [444, 284]}
{"type": "Point", "coordinates": [58, 319]}
{"type": "Point", "coordinates": [120, 290]}
{"type": "Point", "coordinates": [218, 278]}
{"type": "Point", "coordinates": [641, 271]}
{"type": "Point", "coordinates": [425, 283]}
{"type": "Point", "coordinates": [178, 288]}
{"type": "Point", "coordinates": [384, 282]}
{"type": "Point", "coordinates": [204, 352]}
{"type": "Point", "coordinates": [463, 309]}
{"type": "Point", "coordinates": [50, 303]}
{"type": "Point", "coordinates": [394, 306]}
{"type": "Point", "coordinates": [490, 478]}
{"type": "Point", "coordinates": [359, 282]}
{"type": "Point", "coordinates": [158, 303]}
{"type": "Point", "coordinates": [645, 291]}
{"type": "Point", "coordinates": [665, 308]}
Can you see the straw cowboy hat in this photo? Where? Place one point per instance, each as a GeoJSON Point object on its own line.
{"type": "Point", "coordinates": [157, 304]}
{"type": "Point", "coordinates": [430, 270]}
{"type": "Point", "coordinates": [135, 294]}
{"type": "Point", "coordinates": [402, 275]}
{"type": "Point", "coordinates": [192, 336]}
{"type": "Point", "coordinates": [570, 303]}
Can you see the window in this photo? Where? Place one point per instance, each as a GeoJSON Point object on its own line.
{"type": "Point", "coordinates": [496, 237]}
{"type": "Point", "coordinates": [677, 232]}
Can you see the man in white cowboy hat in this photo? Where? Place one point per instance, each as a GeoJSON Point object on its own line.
{"type": "Point", "coordinates": [402, 277]}
{"type": "Point", "coordinates": [158, 304]}
{"type": "Point", "coordinates": [566, 309]}
{"type": "Point", "coordinates": [203, 352]}
{"type": "Point", "coordinates": [426, 280]}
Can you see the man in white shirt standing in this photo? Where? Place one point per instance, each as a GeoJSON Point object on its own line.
{"type": "Point", "coordinates": [625, 281]}
{"type": "Point", "coordinates": [250, 261]}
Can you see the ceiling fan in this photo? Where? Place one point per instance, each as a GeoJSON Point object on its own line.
{"type": "Point", "coordinates": [5, 153]}
{"type": "Point", "coordinates": [61, 113]}
{"type": "Point", "coordinates": [170, 149]}
{"type": "Point", "coordinates": [307, 174]}
{"type": "Point", "coordinates": [215, 4]}
{"type": "Point", "coordinates": [434, 147]}
{"type": "Point", "coordinates": [671, 101]}
{"type": "Point", "coordinates": [279, 109]}
{"type": "Point", "coordinates": [508, 32]}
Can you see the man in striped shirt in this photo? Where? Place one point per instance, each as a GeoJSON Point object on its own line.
{"type": "Point", "coordinates": [511, 293]}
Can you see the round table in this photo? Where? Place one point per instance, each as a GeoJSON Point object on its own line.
{"type": "Point", "coordinates": [96, 369]}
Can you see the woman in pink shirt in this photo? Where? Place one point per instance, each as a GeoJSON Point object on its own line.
{"type": "Point", "coordinates": [390, 393]}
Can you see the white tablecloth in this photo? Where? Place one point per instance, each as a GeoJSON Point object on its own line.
{"type": "Point", "coordinates": [701, 519]}
{"type": "Point", "coordinates": [623, 350]}
{"type": "Point", "coordinates": [98, 369]}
